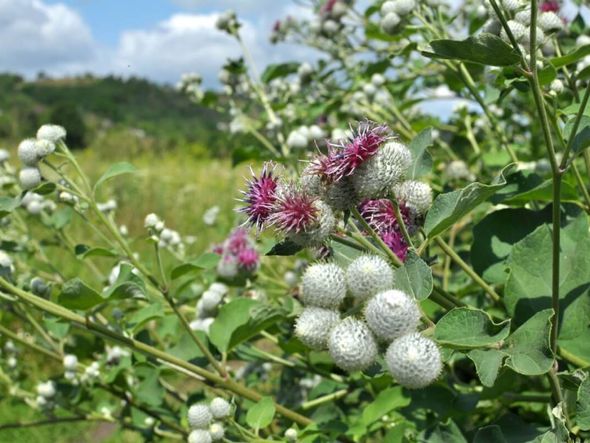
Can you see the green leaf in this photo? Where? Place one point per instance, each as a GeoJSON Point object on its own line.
{"type": "Point", "coordinates": [206, 261]}
{"type": "Point", "coordinates": [414, 277]}
{"type": "Point", "coordinates": [583, 405]}
{"type": "Point", "coordinates": [284, 248]}
{"type": "Point", "coordinates": [489, 434]}
{"type": "Point", "coordinates": [487, 364]}
{"type": "Point", "coordinates": [149, 390]}
{"type": "Point", "coordinates": [450, 207]}
{"type": "Point", "coordinates": [127, 285]}
{"type": "Point", "coordinates": [186, 349]}
{"type": "Point", "coordinates": [495, 235]}
{"type": "Point", "coordinates": [570, 58]}
{"type": "Point", "coordinates": [528, 348]}
{"type": "Point", "coordinates": [422, 160]}
{"type": "Point", "coordinates": [465, 328]}
{"type": "Point", "coordinates": [386, 401]}
{"type": "Point", "coordinates": [278, 70]}
{"type": "Point", "coordinates": [114, 171]}
{"type": "Point", "coordinates": [231, 316]}
{"type": "Point", "coordinates": [44, 188]}
{"type": "Point", "coordinates": [524, 186]}
{"type": "Point", "coordinates": [528, 287]}
{"type": "Point", "coordinates": [261, 414]}
{"type": "Point", "coordinates": [582, 137]}
{"type": "Point", "coordinates": [84, 251]}
{"type": "Point", "coordinates": [8, 204]}
{"type": "Point", "coordinates": [260, 318]}
{"type": "Point", "coordinates": [61, 218]}
{"type": "Point", "coordinates": [485, 49]}
{"type": "Point", "coordinates": [139, 318]}
{"type": "Point", "coordinates": [76, 294]}
{"type": "Point", "coordinates": [547, 75]}
{"type": "Point", "coordinates": [447, 432]}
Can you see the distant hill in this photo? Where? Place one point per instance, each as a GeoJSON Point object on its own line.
{"type": "Point", "coordinates": [92, 107]}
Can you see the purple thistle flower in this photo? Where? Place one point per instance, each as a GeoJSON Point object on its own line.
{"type": "Point", "coordinates": [380, 215]}
{"type": "Point", "coordinates": [294, 211]}
{"type": "Point", "coordinates": [260, 196]}
{"type": "Point", "coordinates": [345, 157]}
{"type": "Point", "coordinates": [237, 241]}
{"type": "Point", "coordinates": [248, 259]}
{"type": "Point", "coordinates": [395, 241]}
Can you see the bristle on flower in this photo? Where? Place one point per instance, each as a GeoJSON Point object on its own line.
{"type": "Point", "coordinates": [346, 156]}
{"type": "Point", "coordinates": [294, 211]}
{"type": "Point", "coordinates": [260, 196]}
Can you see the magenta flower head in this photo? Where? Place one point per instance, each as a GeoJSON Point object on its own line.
{"type": "Point", "coordinates": [345, 157]}
{"type": "Point", "coordinates": [549, 6]}
{"type": "Point", "coordinates": [248, 260]}
{"type": "Point", "coordinates": [395, 241]}
{"type": "Point", "coordinates": [260, 196]}
{"type": "Point", "coordinates": [294, 211]}
{"type": "Point", "coordinates": [237, 241]}
{"type": "Point", "coordinates": [380, 215]}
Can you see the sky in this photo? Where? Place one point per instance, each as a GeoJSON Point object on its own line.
{"type": "Point", "coordinates": [157, 39]}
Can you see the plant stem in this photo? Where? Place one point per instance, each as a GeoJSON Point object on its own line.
{"type": "Point", "coordinates": [15, 337]}
{"type": "Point", "coordinates": [51, 421]}
{"type": "Point", "coordinates": [390, 254]}
{"type": "Point", "coordinates": [468, 270]}
{"type": "Point", "coordinates": [325, 399]}
{"type": "Point", "coordinates": [402, 224]}
{"type": "Point", "coordinates": [113, 336]}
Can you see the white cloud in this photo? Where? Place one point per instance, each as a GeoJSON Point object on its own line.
{"type": "Point", "coordinates": [35, 36]}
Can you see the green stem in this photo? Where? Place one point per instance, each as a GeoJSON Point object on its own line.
{"type": "Point", "coordinates": [390, 254]}
{"type": "Point", "coordinates": [402, 224]}
{"type": "Point", "coordinates": [113, 336]}
{"type": "Point", "coordinates": [325, 399]}
{"type": "Point", "coordinates": [467, 269]}
{"type": "Point", "coordinates": [15, 337]}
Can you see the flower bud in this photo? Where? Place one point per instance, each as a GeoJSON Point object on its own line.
{"type": "Point", "coordinates": [199, 436]}
{"type": "Point", "coordinates": [216, 431]}
{"type": "Point", "coordinates": [313, 326]}
{"type": "Point", "coordinates": [27, 152]}
{"type": "Point", "coordinates": [52, 133]}
{"type": "Point", "coordinates": [414, 360]}
{"type": "Point", "coordinates": [352, 345]}
{"type": "Point", "coordinates": [199, 416]}
{"type": "Point", "coordinates": [70, 362]}
{"type": "Point", "coordinates": [417, 196]}
{"type": "Point", "coordinates": [323, 285]}
{"type": "Point", "coordinates": [368, 275]}
{"type": "Point", "coordinates": [29, 178]}
{"type": "Point", "coordinates": [220, 408]}
{"type": "Point", "coordinates": [389, 23]}
{"type": "Point", "coordinates": [391, 314]}
{"type": "Point", "coordinates": [550, 22]}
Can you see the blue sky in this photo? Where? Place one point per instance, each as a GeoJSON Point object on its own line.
{"type": "Point", "coordinates": [157, 39]}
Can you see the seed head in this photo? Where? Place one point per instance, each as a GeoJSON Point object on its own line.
{"type": "Point", "coordinates": [368, 275]}
{"type": "Point", "coordinates": [523, 16]}
{"type": "Point", "coordinates": [220, 408]}
{"type": "Point", "coordinates": [415, 195]}
{"type": "Point", "coordinates": [29, 177]}
{"type": "Point", "coordinates": [391, 314]}
{"type": "Point", "coordinates": [323, 285]}
{"type": "Point", "coordinates": [199, 416]}
{"type": "Point", "coordinates": [313, 326]}
{"type": "Point", "coordinates": [414, 360]}
{"type": "Point", "coordinates": [518, 30]}
{"type": "Point", "coordinates": [387, 167]}
{"type": "Point", "coordinates": [352, 345]}
{"type": "Point", "coordinates": [52, 133]}
{"type": "Point", "coordinates": [44, 147]}
{"type": "Point", "coordinates": [27, 152]}
{"type": "Point", "coordinates": [199, 436]}
{"type": "Point", "coordinates": [291, 434]}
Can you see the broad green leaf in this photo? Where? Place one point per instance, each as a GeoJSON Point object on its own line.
{"type": "Point", "coordinates": [76, 294]}
{"type": "Point", "coordinates": [114, 171]}
{"type": "Point", "coordinates": [528, 287]}
{"type": "Point", "coordinates": [547, 74]}
{"type": "Point", "coordinates": [583, 405]}
{"type": "Point", "coordinates": [495, 235]}
{"type": "Point", "coordinates": [149, 390]}
{"type": "Point", "coordinates": [62, 217]}
{"type": "Point", "coordinates": [127, 285]}
{"type": "Point", "coordinates": [186, 348]}
{"type": "Point", "coordinates": [44, 188]}
{"type": "Point", "coordinates": [528, 348]}
{"type": "Point", "coordinates": [8, 204]}
{"type": "Point", "coordinates": [581, 137]}
{"type": "Point", "coordinates": [284, 248]}
{"type": "Point", "coordinates": [84, 251]}
{"type": "Point", "coordinates": [485, 49]}
{"type": "Point", "coordinates": [414, 277]}
{"type": "Point", "coordinates": [386, 401]}
{"type": "Point", "coordinates": [465, 328]}
{"type": "Point", "coordinates": [139, 318]}
{"type": "Point", "coordinates": [421, 158]}
{"type": "Point", "coordinates": [231, 316]}
{"type": "Point", "coordinates": [570, 58]}
{"type": "Point", "coordinates": [489, 434]}
{"type": "Point", "coordinates": [278, 70]}
{"type": "Point", "coordinates": [206, 261]}
{"type": "Point", "coordinates": [452, 206]}
{"type": "Point", "coordinates": [261, 414]}
{"type": "Point", "coordinates": [487, 364]}
{"type": "Point", "coordinates": [260, 318]}
{"type": "Point", "coordinates": [447, 432]}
